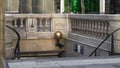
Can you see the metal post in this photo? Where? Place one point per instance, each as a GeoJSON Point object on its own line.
{"type": "Point", "coordinates": [112, 45]}
{"type": "Point", "coordinates": [1, 34]}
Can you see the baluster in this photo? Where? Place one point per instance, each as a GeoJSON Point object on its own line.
{"type": "Point", "coordinates": [24, 24]}
{"type": "Point", "coordinates": [41, 27]}
{"type": "Point", "coordinates": [72, 25]}
{"type": "Point", "coordinates": [88, 21]}
{"type": "Point", "coordinates": [107, 27]}
{"type": "Point", "coordinates": [21, 23]}
{"type": "Point", "coordinates": [92, 28]}
{"type": "Point", "coordinates": [80, 26]}
{"type": "Point", "coordinates": [15, 23]}
{"type": "Point", "coordinates": [97, 29]}
{"type": "Point", "coordinates": [77, 26]}
{"type": "Point", "coordinates": [102, 29]}
{"type": "Point", "coordinates": [49, 24]}
{"type": "Point", "coordinates": [46, 24]}
{"type": "Point", "coordinates": [85, 27]}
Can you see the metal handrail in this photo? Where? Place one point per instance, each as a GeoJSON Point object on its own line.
{"type": "Point", "coordinates": [111, 34]}
{"type": "Point", "coordinates": [17, 48]}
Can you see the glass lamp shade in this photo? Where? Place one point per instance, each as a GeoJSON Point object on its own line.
{"type": "Point", "coordinates": [58, 35]}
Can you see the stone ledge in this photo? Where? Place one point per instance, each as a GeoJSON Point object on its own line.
{"type": "Point", "coordinates": [93, 42]}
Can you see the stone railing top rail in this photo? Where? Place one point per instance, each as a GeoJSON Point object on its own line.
{"type": "Point", "coordinates": [115, 17]}
{"type": "Point", "coordinates": [36, 15]}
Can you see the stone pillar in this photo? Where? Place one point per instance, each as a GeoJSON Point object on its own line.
{"type": "Point", "coordinates": [9, 47]}
{"type": "Point", "coordinates": [37, 6]}
{"type": "Point", "coordinates": [43, 6]}
{"type": "Point", "coordinates": [48, 6]}
{"type": "Point", "coordinates": [12, 6]}
{"type": "Point", "coordinates": [102, 6]}
{"type": "Point", "coordinates": [1, 34]}
{"type": "Point", "coordinates": [61, 6]}
{"type": "Point", "coordinates": [25, 6]}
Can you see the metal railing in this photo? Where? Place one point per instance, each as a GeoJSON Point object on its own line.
{"type": "Point", "coordinates": [17, 47]}
{"type": "Point", "coordinates": [112, 44]}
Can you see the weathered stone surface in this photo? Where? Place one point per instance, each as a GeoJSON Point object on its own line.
{"type": "Point", "coordinates": [67, 63]}
{"type": "Point", "coordinates": [9, 47]}
{"type": "Point", "coordinates": [1, 34]}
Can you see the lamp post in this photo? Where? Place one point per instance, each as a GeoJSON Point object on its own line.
{"type": "Point", "coordinates": [58, 35]}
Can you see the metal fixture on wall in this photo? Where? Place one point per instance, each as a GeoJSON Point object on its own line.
{"type": "Point", "coordinates": [58, 35]}
{"type": "Point", "coordinates": [79, 49]}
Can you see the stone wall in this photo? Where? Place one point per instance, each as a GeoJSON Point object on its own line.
{"type": "Point", "coordinates": [41, 40]}
{"type": "Point", "coordinates": [87, 45]}
{"type": "Point", "coordinates": [11, 5]}
{"type": "Point", "coordinates": [1, 34]}
{"type": "Point", "coordinates": [63, 23]}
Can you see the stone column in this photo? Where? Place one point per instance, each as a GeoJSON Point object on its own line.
{"type": "Point", "coordinates": [48, 6]}
{"type": "Point", "coordinates": [1, 34]}
{"type": "Point", "coordinates": [43, 6]}
{"type": "Point", "coordinates": [102, 6]}
{"type": "Point", "coordinates": [61, 6]}
{"type": "Point", "coordinates": [25, 6]}
{"type": "Point", "coordinates": [12, 6]}
{"type": "Point", "coordinates": [37, 6]}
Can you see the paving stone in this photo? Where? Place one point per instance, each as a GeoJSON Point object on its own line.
{"type": "Point", "coordinates": [67, 63]}
{"type": "Point", "coordinates": [100, 66]}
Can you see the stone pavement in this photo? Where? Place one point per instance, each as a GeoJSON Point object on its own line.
{"type": "Point", "coordinates": [66, 63]}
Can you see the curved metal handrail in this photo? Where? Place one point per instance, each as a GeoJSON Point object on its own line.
{"type": "Point", "coordinates": [103, 41]}
{"type": "Point", "coordinates": [17, 48]}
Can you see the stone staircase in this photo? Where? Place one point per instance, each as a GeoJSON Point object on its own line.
{"type": "Point", "coordinates": [67, 62]}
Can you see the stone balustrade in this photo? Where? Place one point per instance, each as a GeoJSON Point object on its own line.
{"type": "Point", "coordinates": [93, 26]}
{"type": "Point", "coordinates": [86, 30]}
{"type": "Point", "coordinates": [39, 25]}
{"type": "Point", "coordinates": [29, 26]}
{"type": "Point", "coordinates": [37, 31]}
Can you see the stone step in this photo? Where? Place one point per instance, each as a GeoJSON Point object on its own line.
{"type": "Point", "coordinates": [67, 62]}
